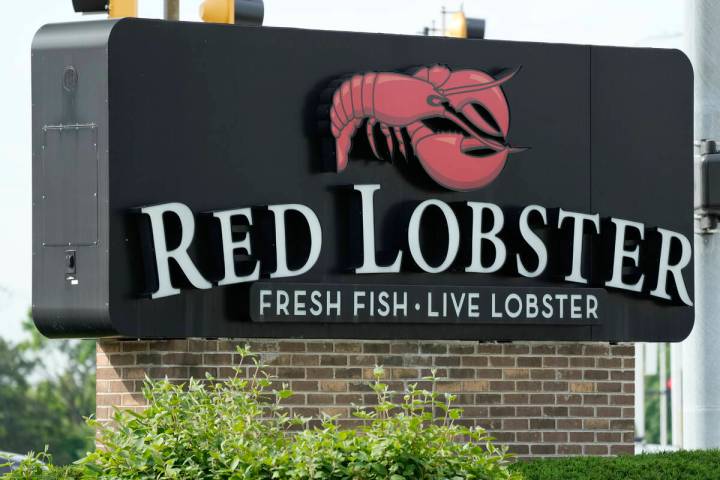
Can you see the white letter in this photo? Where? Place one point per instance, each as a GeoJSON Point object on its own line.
{"type": "Point", "coordinates": [229, 246]}
{"type": "Point", "coordinates": [547, 306]}
{"type": "Point", "coordinates": [283, 300]}
{"type": "Point", "coordinates": [531, 305]}
{"type": "Point", "coordinates": [384, 309]}
{"type": "Point", "coordinates": [561, 298]}
{"type": "Point", "coordinates": [431, 312]}
{"type": "Point", "coordinates": [620, 253]}
{"type": "Point", "coordinates": [495, 314]}
{"type": "Point", "coordinates": [473, 307]}
{"type": "Point", "coordinates": [478, 236]}
{"type": "Point", "coordinates": [676, 270]}
{"type": "Point", "coordinates": [575, 308]}
{"type": "Point", "coordinates": [591, 308]}
{"type": "Point", "coordinates": [534, 241]}
{"type": "Point", "coordinates": [368, 220]}
{"type": "Point", "coordinates": [282, 269]}
{"type": "Point", "coordinates": [356, 303]}
{"type": "Point", "coordinates": [298, 306]}
{"type": "Point", "coordinates": [334, 305]}
{"type": "Point", "coordinates": [516, 298]}
{"type": "Point", "coordinates": [414, 236]}
{"type": "Point", "coordinates": [179, 254]}
{"type": "Point", "coordinates": [263, 304]}
{"type": "Point", "coordinates": [397, 306]}
{"type": "Point", "coordinates": [579, 223]}
{"type": "Point", "coordinates": [458, 305]}
{"type": "Point", "coordinates": [315, 297]}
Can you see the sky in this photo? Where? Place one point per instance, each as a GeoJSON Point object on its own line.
{"type": "Point", "coordinates": [651, 23]}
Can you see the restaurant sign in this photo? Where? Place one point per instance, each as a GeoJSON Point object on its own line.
{"type": "Point", "coordinates": [195, 180]}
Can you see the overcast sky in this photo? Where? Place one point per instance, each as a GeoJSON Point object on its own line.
{"type": "Point", "coordinates": [655, 23]}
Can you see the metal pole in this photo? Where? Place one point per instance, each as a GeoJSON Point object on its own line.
{"type": "Point", "coordinates": [701, 363]}
{"type": "Point", "coordinates": [662, 391]}
{"type": "Point", "coordinates": [640, 392]}
{"type": "Point", "coordinates": [676, 394]}
{"type": "Point", "coordinates": [172, 10]}
{"type": "Point", "coordinates": [443, 12]}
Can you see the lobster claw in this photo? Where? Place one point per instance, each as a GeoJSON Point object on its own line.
{"type": "Point", "coordinates": [498, 129]}
{"type": "Point", "coordinates": [446, 158]}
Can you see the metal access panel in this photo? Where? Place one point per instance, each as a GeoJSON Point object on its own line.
{"type": "Point", "coordinates": [215, 117]}
{"type": "Point", "coordinates": [69, 185]}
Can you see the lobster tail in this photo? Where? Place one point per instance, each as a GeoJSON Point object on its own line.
{"type": "Point", "coordinates": [351, 103]}
{"type": "Point", "coordinates": [343, 142]}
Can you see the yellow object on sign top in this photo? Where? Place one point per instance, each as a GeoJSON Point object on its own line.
{"type": "Point", "coordinates": [123, 8]}
{"type": "Point", "coordinates": [218, 11]}
{"type": "Point", "coordinates": [457, 26]}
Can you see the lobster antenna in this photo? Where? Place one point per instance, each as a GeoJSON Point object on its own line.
{"type": "Point", "coordinates": [481, 86]}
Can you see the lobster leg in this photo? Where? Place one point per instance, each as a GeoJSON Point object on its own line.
{"type": "Point", "coordinates": [388, 139]}
{"type": "Point", "coordinates": [401, 142]}
{"type": "Point", "coordinates": [370, 128]}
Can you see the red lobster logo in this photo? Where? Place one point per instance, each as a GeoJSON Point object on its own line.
{"type": "Point", "coordinates": [456, 121]}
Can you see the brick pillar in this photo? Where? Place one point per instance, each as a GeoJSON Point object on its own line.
{"type": "Point", "coordinates": [542, 399]}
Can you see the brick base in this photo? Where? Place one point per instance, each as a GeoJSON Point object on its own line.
{"type": "Point", "coordinates": [541, 399]}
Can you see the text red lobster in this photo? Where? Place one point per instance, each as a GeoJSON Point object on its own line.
{"type": "Point", "coordinates": [467, 159]}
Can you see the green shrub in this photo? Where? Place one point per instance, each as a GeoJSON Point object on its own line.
{"type": "Point", "coordinates": [684, 465]}
{"type": "Point", "coordinates": [38, 466]}
{"type": "Point", "coordinates": [239, 429]}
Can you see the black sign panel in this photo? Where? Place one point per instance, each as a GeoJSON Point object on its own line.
{"type": "Point", "coordinates": [266, 182]}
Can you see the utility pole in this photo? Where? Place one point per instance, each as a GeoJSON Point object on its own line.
{"type": "Point", "coordinates": [676, 394]}
{"type": "Point", "coordinates": [640, 392]}
{"type": "Point", "coordinates": [701, 361]}
{"type": "Point", "coordinates": [662, 391]}
{"type": "Point", "coordinates": [172, 10]}
{"type": "Point", "coordinates": [443, 12]}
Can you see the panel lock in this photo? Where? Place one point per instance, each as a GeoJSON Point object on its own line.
{"type": "Point", "coordinates": [71, 267]}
